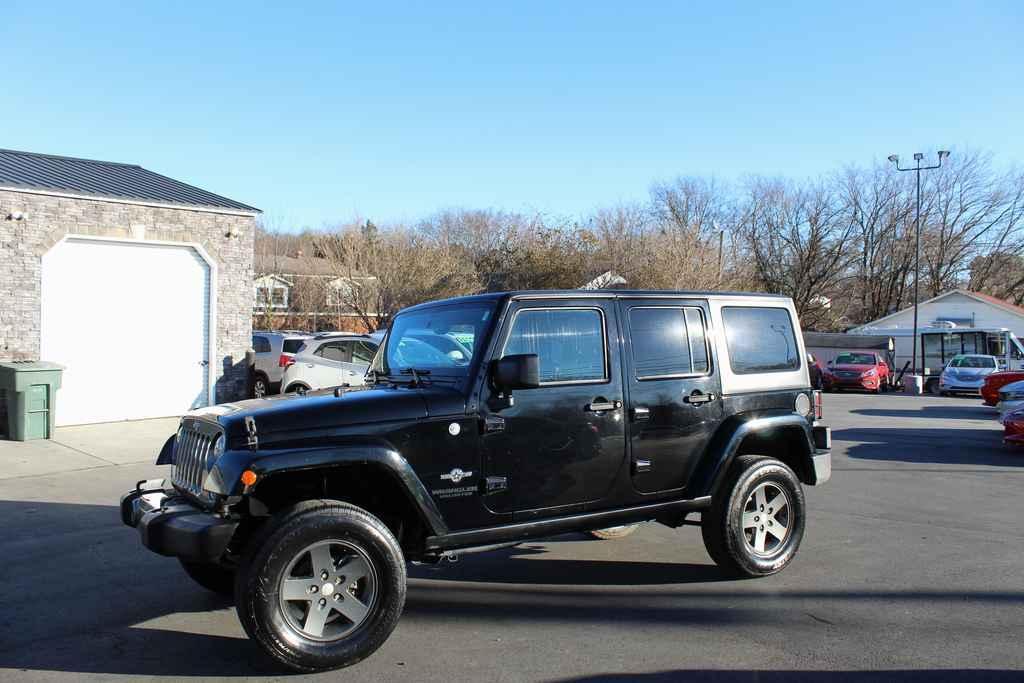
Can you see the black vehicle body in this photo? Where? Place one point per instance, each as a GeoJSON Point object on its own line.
{"type": "Point", "coordinates": [452, 465]}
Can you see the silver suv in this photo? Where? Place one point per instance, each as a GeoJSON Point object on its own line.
{"type": "Point", "coordinates": [274, 351]}
{"type": "Point", "coordinates": [329, 360]}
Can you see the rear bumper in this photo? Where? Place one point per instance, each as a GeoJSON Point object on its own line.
{"type": "Point", "coordinates": [169, 525]}
{"type": "Point", "coordinates": [821, 459]}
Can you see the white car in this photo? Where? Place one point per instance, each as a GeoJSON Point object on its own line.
{"type": "Point", "coordinates": [965, 373]}
{"type": "Point", "coordinates": [274, 351]}
{"type": "Point", "coordinates": [1011, 397]}
{"type": "Point", "coordinates": [330, 360]}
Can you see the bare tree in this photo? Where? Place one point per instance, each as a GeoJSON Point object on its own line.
{"type": "Point", "coordinates": [383, 271]}
{"type": "Point", "coordinates": [969, 210]}
{"type": "Point", "coordinates": [797, 240]}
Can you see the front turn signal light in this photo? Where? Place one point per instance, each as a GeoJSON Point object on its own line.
{"type": "Point", "coordinates": [248, 477]}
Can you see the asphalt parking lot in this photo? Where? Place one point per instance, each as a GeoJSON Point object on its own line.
{"type": "Point", "coordinates": [911, 569]}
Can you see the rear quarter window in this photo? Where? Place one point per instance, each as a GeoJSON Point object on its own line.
{"type": "Point", "coordinates": [292, 345]}
{"type": "Point", "coordinates": [760, 339]}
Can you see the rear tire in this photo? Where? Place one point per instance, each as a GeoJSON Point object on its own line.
{"type": "Point", "coordinates": [613, 532]}
{"type": "Point", "coordinates": [260, 386]}
{"type": "Point", "coordinates": [321, 586]}
{"type": "Point", "coordinates": [212, 577]}
{"type": "Point", "coordinates": [756, 521]}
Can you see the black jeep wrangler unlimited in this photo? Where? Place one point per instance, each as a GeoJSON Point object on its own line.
{"type": "Point", "coordinates": [489, 420]}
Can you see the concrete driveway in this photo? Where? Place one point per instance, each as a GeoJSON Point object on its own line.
{"type": "Point", "coordinates": [911, 569]}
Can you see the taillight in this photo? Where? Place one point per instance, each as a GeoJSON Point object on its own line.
{"type": "Point", "coordinates": [818, 404]}
{"type": "Point", "coordinates": [285, 360]}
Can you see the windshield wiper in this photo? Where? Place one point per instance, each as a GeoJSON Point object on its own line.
{"type": "Point", "coordinates": [417, 376]}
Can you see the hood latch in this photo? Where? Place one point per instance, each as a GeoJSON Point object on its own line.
{"type": "Point", "coordinates": [250, 429]}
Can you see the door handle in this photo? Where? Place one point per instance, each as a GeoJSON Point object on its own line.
{"type": "Point", "coordinates": [309, 365]}
{"type": "Point", "coordinates": [640, 414]}
{"type": "Point", "coordinates": [599, 405]}
{"type": "Point", "coordinates": [697, 398]}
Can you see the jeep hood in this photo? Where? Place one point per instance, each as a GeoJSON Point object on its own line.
{"type": "Point", "coordinates": [319, 410]}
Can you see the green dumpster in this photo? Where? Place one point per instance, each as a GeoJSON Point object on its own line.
{"type": "Point", "coordinates": [30, 388]}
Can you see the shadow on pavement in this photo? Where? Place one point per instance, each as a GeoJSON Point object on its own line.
{"type": "Point", "coordinates": [119, 609]}
{"type": "Point", "coordinates": [716, 675]}
{"type": "Point", "coordinates": [969, 447]}
{"type": "Point", "coordinates": [952, 412]}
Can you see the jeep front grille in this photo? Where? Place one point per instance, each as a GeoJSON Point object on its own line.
{"type": "Point", "coordinates": [191, 452]}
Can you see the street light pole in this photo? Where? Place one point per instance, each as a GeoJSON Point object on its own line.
{"type": "Point", "coordinates": [917, 239]}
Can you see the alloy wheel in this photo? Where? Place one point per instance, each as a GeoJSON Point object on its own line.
{"type": "Point", "coordinates": [766, 519]}
{"type": "Point", "coordinates": [328, 590]}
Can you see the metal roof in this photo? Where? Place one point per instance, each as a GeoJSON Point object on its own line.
{"type": "Point", "coordinates": [45, 172]}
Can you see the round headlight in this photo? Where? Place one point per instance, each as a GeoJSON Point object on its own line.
{"type": "Point", "coordinates": [218, 450]}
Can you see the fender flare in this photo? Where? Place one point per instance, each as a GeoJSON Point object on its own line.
{"type": "Point", "coordinates": [225, 477]}
{"type": "Point", "coordinates": [730, 436]}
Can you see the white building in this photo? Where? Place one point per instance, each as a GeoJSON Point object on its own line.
{"type": "Point", "coordinates": [951, 323]}
{"type": "Point", "coordinates": [960, 307]}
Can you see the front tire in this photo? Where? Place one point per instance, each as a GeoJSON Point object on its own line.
{"type": "Point", "coordinates": [322, 586]}
{"type": "Point", "coordinates": [756, 522]}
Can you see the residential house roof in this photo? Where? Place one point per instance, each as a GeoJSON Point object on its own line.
{"type": "Point", "coordinates": [301, 266]}
{"type": "Point", "coordinates": [108, 179]}
{"type": "Point", "coordinates": [977, 296]}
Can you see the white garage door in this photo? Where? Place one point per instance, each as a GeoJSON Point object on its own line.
{"type": "Point", "coordinates": [130, 323]}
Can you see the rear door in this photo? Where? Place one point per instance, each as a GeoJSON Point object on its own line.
{"type": "Point", "coordinates": [329, 362]}
{"type": "Point", "coordinates": [674, 393]}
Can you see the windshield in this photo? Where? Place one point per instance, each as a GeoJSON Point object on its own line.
{"type": "Point", "coordinates": [973, 362]}
{"type": "Point", "coordinates": [855, 359]}
{"type": "Point", "coordinates": [443, 341]}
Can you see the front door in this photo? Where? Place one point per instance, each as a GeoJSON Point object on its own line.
{"type": "Point", "coordinates": [560, 445]}
{"type": "Point", "coordinates": [674, 391]}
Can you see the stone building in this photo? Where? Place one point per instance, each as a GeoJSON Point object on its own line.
{"type": "Point", "coordinates": [140, 285]}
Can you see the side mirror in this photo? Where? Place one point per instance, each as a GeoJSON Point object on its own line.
{"type": "Point", "coordinates": [519, 371]}
{"type": "Point", "coordinates": [830, 363]}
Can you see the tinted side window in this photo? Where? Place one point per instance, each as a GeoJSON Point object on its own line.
{"type": "Point", "coordinates": [568, 342]}
{"type": "Point", "coordinates": [667, 342]}
{"type": "Point", "coordinates": [291, 345]}
{"type": "Point", "coordinates": [260, 344]}
{"type": "Point", "coordinates": [336, 351]}
{"type": "Point", "coordinates": [760, 340]}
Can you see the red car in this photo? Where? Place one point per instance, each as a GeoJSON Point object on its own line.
{"type": "Point", "coordinates": [1013, 428]}
{"type": "Point", "coordinates": [863, 371]}
{"type": "Point", "coordinates": [995, 381]}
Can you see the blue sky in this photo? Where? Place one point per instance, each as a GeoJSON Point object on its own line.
{"type": "Point", "coordinates": [319, 113]}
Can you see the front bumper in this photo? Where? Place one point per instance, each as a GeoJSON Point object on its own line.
{"type": "Point", "coordinates": [960, 386]}
{"type": "Point", "coordinates": [1005, 407]}
{"type": "Point", "coordinates": [859, 383]}
{"type": "Point", "coordinates": [170, 525]}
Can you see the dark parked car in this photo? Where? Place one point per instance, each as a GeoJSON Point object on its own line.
{"type": "Point", "coordinates": [561, 411]}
